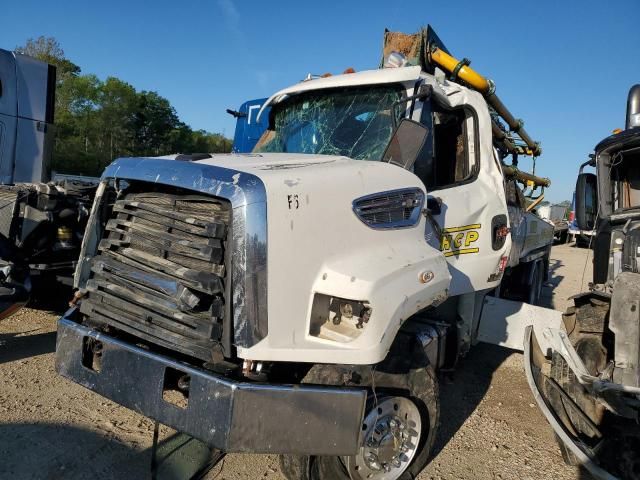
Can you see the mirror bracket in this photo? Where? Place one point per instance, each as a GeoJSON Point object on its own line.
{"type": "Point", "coordinates": [424, 92]}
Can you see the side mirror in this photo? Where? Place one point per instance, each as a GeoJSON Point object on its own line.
{"type": "Point", "coordinates": [406, 144]}
{"type": "Point", "coordinates": [586, 201]}
{"type": "Point", "coordinates": [434, 205]}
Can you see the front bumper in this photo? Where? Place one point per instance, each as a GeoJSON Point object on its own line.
{"type": "Point", "coordinates": [611, 394]}
{"type": "Point", "coordinates": [228, 415]}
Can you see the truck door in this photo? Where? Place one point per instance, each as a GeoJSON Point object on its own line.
{"type": "Point", "coordinates": [36, 82]}
{"type": "Point", "coordinates": [464, 176]}
{"type": "Point", "coordinates": [8, 115]}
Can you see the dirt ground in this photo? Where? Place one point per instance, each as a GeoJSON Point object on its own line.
{"type": "Point", "coordinates": [51, 428]}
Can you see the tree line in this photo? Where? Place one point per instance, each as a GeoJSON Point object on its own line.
{"type": "Point", "coordinates": [97, 120]}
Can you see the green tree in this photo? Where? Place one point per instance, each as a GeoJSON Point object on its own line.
{"type": "Point", "coordinates": [154, 120]}
{"type": "Point", "coordinates": [118, 103]}
{"type": "Point", "coordinates": [181, 139]}
{"type": "Point", "coordinates": [77, 121]}
{"type": "Point", "coordinates": [98, 121]}
{"type": "Point", "coordinates": [48, 49]}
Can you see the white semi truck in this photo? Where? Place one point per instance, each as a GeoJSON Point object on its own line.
{"type": "Point", "coordinates": [300, 300]}
{"type": "Point", "coordinates": [41, 222]}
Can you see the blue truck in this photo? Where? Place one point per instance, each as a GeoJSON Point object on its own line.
{"type": "Point", "coordinates": [249, 127]}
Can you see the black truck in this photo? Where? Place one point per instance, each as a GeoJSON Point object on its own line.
{"type": "Point", "coordinates": [586, 375]}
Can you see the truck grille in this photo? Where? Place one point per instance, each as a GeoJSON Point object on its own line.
{"type": "Point", "coordinates": [394, 209]}
{"type": "Point", "coordinates": [159, 273]}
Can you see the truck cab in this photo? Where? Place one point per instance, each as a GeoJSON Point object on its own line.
{"type": "Point", "coordinates": [249, 126]}
{"type": "Point", "coordinates": [27, 100]}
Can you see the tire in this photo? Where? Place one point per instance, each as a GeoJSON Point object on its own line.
{"type": "Point", "coordinates": [583, 241]}
{"type": "Point", "coordinates": [564, 237]}
{"type": "Point", "coordinates": [416, 384]}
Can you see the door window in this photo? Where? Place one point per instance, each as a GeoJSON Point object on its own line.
{"type": "Point", "coordinates": [452, 154]}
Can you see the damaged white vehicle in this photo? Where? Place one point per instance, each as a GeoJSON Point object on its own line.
{"type": "Point", "coordinates": [299, 300]}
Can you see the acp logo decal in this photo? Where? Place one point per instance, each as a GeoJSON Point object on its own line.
{"type": "Point", "coordinates": [460, 240]}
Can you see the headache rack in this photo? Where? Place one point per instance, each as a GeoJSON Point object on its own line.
{"type": "Point", "coordinates": [159, 273]}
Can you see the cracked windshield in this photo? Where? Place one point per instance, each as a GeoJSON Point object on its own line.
{"type": "Point", "coordinates": [355, 123]}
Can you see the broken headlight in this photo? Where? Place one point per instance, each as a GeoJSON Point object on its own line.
{"type": "Point", "coordinates": [338, 319]}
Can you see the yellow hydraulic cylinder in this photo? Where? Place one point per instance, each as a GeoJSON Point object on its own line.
{"type": "Point", "coordinates": [469, 75]}
{"type": "Point", "coordinates": [486, 87]}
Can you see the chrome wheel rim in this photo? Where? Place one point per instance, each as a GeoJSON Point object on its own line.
{"type": "Point", "coordinates": [390, 437]}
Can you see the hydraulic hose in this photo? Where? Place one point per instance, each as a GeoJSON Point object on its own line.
{"type": "Point", "coordinates": [525, 177]}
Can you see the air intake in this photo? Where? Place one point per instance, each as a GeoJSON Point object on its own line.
{"type": "Point", "coordinates": [392, 209]}
{"type": "Point", "coordinates": [633, 108]}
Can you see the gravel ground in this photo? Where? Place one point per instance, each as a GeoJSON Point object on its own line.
{"type": "Point", "coordinates": [53, 429]}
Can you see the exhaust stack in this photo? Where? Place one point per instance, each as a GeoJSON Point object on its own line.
{"type": "Point", "coordinates": [633, 108]}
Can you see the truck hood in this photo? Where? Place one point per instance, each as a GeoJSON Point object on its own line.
{"type": "Point", "coordinates": [304, 173]}
{"type": "Point", "coordinates": [295, 235]}
{"type": "Point", "coordinates": [261, 162]}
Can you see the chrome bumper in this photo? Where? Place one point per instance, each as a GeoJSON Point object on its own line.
{"type": "Point", "coordinates": [228, 415]}
{"type": "Point", "coordinates": [532, 353]}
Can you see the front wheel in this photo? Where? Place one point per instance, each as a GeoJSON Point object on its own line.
{"type": "Point", "coordinates": [399, 430]}
{"type": "Point", "coordinates": [393, 430]}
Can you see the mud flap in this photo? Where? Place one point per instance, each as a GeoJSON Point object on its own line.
{"type": "Point", "coordinates": [534, 359]}
{"type": "Point", "coordinates": [182, 456]}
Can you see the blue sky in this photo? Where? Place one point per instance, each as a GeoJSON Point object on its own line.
{"type": "Point", "coordinates": [563, 66]}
